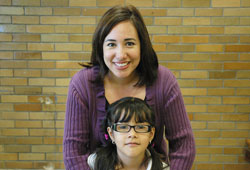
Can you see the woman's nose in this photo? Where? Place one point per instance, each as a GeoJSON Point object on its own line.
{"type": "Point", "coordinates": [121, 52]}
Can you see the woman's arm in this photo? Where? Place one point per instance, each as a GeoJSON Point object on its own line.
{"type": "Point", "coordinates": [76, 132]}
{"type": "Point", "coordinates": [178, 129]}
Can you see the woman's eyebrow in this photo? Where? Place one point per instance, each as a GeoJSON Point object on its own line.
{"type": "Point", "coordinates": [126, 39]}
{"type": "Point", "coordinates": [109, 40]}
{"type": "Point", "coordinates": [129, 39]}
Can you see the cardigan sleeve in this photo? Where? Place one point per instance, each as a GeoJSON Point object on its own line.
{"type": "Point", "coordinates": [178, 130]}
{"type": "Point", "coordinates": [76, 131]}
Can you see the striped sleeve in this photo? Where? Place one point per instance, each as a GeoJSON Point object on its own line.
{"type": "Point", "coordinates": [76, 132]}
{"type": "Point", "coordinates": [178, 129]}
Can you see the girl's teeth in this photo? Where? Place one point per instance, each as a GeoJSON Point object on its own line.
{"type": "Point", "coordinates": [121, 64]}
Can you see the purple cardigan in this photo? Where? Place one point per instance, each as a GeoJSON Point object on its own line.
{"type": "Point", "coordinates": [85, 110]}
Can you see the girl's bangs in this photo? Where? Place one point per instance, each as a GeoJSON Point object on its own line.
{"type": "Point", "coordinates": [137, 111]}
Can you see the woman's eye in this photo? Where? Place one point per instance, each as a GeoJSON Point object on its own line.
{"type": "Point", "coordinates": [130, 43]}
{"type": "Point", "coordinates": [111, 44]}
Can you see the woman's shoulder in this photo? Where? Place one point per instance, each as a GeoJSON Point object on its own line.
{"type": "Point", "coordinates": [82, 81]}
{"type": "Point", "coordinates": [165, 78]}
{"type": "Point", "coordinates": [86, 73]}
{"type": "Point", "coordinates": [164, 72]}
{"type": "Point", "coordinates": [84, 76]}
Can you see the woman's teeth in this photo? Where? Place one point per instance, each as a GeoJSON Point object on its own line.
{"type": "Point", "coordinates": [121, 64]}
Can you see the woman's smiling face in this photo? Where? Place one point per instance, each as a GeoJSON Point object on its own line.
{"type": "Point", "coordinates": [121, 50]}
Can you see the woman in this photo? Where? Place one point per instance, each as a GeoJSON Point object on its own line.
{"type": "Point", "coordinates": [123, 63]}
{"type": "Point", "coordinates": [130, 125]}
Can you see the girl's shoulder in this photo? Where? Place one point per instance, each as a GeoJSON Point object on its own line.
{"type": "Point", "coordinates": [166, 167]}
{"type": "Point", "coordinates": [91, 160]}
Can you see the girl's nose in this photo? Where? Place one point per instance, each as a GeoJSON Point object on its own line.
{"type": "Point", "coordinates": [132, 133]}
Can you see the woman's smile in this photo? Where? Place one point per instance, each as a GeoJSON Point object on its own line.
{"type": "Point", "coordinates": [122, 65]}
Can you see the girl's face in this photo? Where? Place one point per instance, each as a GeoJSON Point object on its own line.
{"type": "Point", "coordinates": [121, 50]}
{"type": "Point", "coordinates": [131, 144]}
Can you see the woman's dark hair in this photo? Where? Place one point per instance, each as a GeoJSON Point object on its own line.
{"type": "Point", "coordinates": [122, 111]}
{"type": "Point", "coordinates": [147, 68]}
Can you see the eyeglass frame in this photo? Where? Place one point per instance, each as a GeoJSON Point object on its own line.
{"type": "Point", "coordinates": [114, 127]}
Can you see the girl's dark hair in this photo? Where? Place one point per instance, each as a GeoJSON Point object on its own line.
{"type": "Point", "coordinates": [147, 68]}
{"type": "Point", "coordinates": [122, 111]}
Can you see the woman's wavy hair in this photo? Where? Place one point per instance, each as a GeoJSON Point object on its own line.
{"type": "Point", "coordinates": [147, 68]}
{"type": "Point", "coordinates": [124, 110]}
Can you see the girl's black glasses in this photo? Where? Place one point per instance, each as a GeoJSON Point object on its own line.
{"type": "Point", "coordinates": [124, 128]}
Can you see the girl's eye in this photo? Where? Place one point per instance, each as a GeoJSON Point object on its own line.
{"type": "Point", "coordinates": [141, 126]}
{"type": "Point", "coordinates": [123, 126]}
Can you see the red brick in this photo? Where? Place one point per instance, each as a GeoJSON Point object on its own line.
{"type": "Point", "coordinates": [67, 11]}
{"type": "Point", "coordinates": [5, 2]}
{"type": "Point", "coordinates": [53, 140]}
{"type": "Point", "coordinates": [221, 108]}
{"type": "Point", "coordinates": [228, 3]}
{"type": "Point", "coordinates": [235, 117]}
{"type": "Point", "coordinates": [82, 3]}
{"type": "Point", "coordinates": [208, 11]}
{"type": "Point", "coordinates": [237, 66]}
{"type": "Point", "coordinates": [19, 164]}
{"type": "Point", "coordinates": [6, 55]}
{"type": "Point", "coordinates": [13, 64]}
{"type": "Point", "coordinates": [210, 30]}
{"type": "Point", "coordinates": [56, 3]}
{"type": "Point", "coordinates": [29, 140]}
{"type": "Point", "coordinates": [166, 39]}
{"type": "Point", "coordinates": [222, 75]}
{"type": "Point", "coordinates": [8, 156]}
{"type": "Point", "coordinates": [195, 39]}
{"type": "Point", "coordinates": [28, 90]}
{"type": "Point", "coordinates": [236, 83]}
{"type": "Point", "coordinates": [224, 57]}
{"type": "Point", "coordinates": [17, 148]}
{"type": "Point", "coordinates": [7, 140]}
{"type": "Point", "coordinates": [28, 107]}
{"type": "Point", "coordinates": [224, 39]}
{"type": "Point", "coordinates": [153, 12]}
{"type": "Point", "coordinates": [245, 39]}
{"type": "Point", "coordinates": [27, 55]}
{"type": "Point", "coordinates": [236, 166]}
{"type": "Point", "coordinates": [209, 48]}
{"type": "Point", "coordinates": [196, 3]}
{"type": "Point", "coordinates": [237, 48]}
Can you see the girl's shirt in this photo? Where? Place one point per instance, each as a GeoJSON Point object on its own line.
{"type": "Point", "coordinates": [92, 157]}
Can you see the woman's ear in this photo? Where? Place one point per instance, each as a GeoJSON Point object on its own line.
{"type": "Point", "coordinates": [110, 133]}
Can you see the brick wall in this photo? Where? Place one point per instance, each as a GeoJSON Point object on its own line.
{"type": "Point", "coordinates": [206, 43]}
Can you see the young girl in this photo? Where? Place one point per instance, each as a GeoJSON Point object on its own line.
{"type": "Point", "coordinates": [130, 125]}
